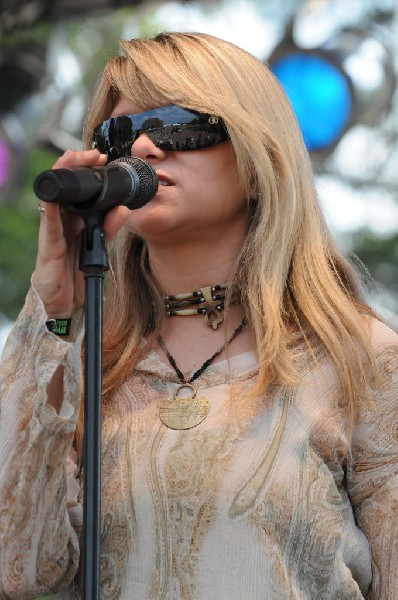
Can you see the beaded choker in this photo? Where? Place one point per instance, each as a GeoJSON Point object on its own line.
{"type": "Point", "coordinates": [207, 301]}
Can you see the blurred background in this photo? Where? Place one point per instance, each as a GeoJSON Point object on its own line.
{"type": "Point", "coordinates": [338, 62]}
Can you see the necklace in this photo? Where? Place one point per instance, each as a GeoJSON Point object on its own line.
{"type": "Point", "coordinates": [207, 301]}
{"type": "Point", "coordinates": [187, 411]}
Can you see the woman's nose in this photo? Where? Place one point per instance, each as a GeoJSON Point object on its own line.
{"type": "Point", "coordinates": [144, 148]}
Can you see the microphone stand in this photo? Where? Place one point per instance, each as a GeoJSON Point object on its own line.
{"type": "Point", "coordinates": [93, 263]}
{"type": "Point", "coordinates": [138, 184]}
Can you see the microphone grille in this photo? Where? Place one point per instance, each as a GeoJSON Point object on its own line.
{"type": "Point", "coordinates": [148, 180]}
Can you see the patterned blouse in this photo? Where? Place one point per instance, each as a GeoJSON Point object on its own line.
{"type": "Point", "coordinates": [266, 499]}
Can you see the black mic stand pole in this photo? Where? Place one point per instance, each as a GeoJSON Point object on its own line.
{"type": "Point", "coordinates": [93, 263]}
{"type": "Point", "coordinates": [137, 181]}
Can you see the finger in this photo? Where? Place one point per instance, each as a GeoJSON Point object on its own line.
{"type": "Point", "coordinates": [59, 232]}
{"type": "Point", "coordinates": [57, 220]}
{"type": "Point", "coordinates": [80, 158]}
{"type": "Point", "coordinates": [51, 227]}
{"type": "Point", "coordinates": [114, 220]}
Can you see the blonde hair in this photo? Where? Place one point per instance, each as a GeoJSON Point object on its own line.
{"type": "Point", "coordinates": [290, 272]}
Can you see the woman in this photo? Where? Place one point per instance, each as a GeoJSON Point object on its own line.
{"type": "Point", "coordinates": [249, 446]}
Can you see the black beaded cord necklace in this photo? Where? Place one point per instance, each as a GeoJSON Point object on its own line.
{"type": "Point", "coordinates": [185, 412]}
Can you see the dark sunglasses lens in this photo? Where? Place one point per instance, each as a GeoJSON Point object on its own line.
{"type": "Point", "coordinates": [170, 128]}
{"type": "Point", "coordinates": [188, 136]}
{"type": "Point", "coordinates": [114, 136]}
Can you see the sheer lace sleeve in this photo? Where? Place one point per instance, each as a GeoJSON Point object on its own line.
{"type": "Point", "coordinates": [373, 473]}
{"type": "Point", "coordinates": [39, 549]}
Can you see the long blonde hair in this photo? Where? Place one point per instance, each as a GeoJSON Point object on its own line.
{"type": "Point", "coordinates": [290, 273]}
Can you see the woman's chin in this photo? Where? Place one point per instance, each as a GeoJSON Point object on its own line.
{"type": "Point", "coordinates": [152, 221]}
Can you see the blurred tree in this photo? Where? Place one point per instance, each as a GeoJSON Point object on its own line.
{"type": "Point", "coordinates": [19, 220]}
{"type": "Point", "coordinates": [380, 256]}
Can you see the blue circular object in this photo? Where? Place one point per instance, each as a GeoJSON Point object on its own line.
{"type": "Point", "coordinates": [320, 95]}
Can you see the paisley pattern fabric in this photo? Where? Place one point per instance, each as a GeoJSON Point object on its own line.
{"type": "Point", "coordinates": [268, 498]}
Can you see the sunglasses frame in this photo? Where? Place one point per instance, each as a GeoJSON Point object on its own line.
{"type": "Point", "coordinates": [171, 128]}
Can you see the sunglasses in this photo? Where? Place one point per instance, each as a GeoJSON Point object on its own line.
{"type": "Point", "coordinates": [169, 127]}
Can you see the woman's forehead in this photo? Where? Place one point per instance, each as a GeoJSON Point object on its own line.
{"type": "Point", "coordinates": [124, 106]}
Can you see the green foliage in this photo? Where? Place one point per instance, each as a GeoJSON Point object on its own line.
{"type": "Point", "coordinates": [19, 221]}
{"type": "Point", "coordinates": [380, 255]}
{"type": "Point", "coordinates": [39, 32]}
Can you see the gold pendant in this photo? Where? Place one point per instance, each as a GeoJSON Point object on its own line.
{"type": "Point", "coordinates": [184, 412]}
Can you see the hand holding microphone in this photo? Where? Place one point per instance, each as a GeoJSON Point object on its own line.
{"type": "Point", "coordinates": [81, 179]}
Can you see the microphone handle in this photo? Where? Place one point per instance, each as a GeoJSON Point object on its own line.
{"type": "Point", "coordinates": [88, 186]}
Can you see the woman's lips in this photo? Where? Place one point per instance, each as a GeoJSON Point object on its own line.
{"type": "Point", "coordinates": [163, 180]}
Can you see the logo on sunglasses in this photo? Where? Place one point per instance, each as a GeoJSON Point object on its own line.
{"type": "Point", "coordinates": [213, 120]}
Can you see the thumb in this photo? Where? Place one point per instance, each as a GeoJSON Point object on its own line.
{"type": "Point", "coordinates": [114, 220]}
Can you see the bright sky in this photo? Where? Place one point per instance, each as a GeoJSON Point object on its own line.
{"type": "Point", "coordinates": [237, 21]}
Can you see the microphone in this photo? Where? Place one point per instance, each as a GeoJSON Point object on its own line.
{"type": "Point", "coordinates": [128, 181]}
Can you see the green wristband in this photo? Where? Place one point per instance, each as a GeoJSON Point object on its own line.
{"type": "Point", "coordinates": [59, 326]}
